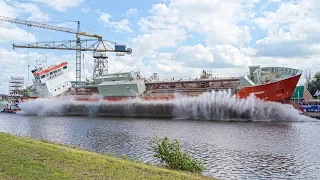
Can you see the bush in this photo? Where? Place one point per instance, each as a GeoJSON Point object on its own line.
{"type": "Point", "coordinates": [169, 153]}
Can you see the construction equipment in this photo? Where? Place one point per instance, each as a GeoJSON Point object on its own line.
{"type": "Point", "coordinates": [47, 26]}
{"type": "Point", "coordinates": [16, 85]}
{"type": "Point", "coordinates": [98, 46]}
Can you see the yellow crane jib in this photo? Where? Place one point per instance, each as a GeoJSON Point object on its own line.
{"type": "Point", "coordinates": [91, 35]}
{"type": "Point", "coordinates": [46, 26]}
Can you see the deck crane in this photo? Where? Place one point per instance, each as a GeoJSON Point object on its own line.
{"type": "Point", "coordinates": [98, 46]}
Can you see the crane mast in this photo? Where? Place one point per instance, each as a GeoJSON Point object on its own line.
{"type": "Point", "coordinates": [78, 56]}
{"type": "Point", "coordinates": [97, 45]}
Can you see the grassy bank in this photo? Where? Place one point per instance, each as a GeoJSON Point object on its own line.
{"type": "Point", "coordinates": [24, 158]}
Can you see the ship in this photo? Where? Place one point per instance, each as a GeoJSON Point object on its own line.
{"type": "Point", "coordinates": [267, 83]}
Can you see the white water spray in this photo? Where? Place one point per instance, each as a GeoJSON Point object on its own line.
{"type": "Point", "coordinates": [221, 105]}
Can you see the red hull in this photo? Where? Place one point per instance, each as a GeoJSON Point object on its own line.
{"type": "Point", "coordinates": [275, 91]}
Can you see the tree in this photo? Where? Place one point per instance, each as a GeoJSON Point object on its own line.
{"type": "Point", "coordinates": [313, 84]}
{"type": "Point", "coordinates": [171, 155]}
{"type": "Point", "coordinates": [308, 77]}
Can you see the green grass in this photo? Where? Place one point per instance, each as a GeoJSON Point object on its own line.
{"type": "Point", "coordinates": [25, 158]}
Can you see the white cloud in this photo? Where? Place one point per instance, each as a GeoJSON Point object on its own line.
{"type": "Point", "coordinates": [11, 57]}
{"type": "Point", "coordinates": [35, 13]}
{"type": "Point", "coordinates": [146, 45]}
{"type": "Point", "coordinates": [7, 10]}
{"type": "Point", "coordinates": [170, 65]}
{"type": "Point", "coordinates": [216, 19]}
{"type": "Point", "coordinates": [196, 55]}
{"type": "Point", "coordinates": [132, 11]}
{"type": "Point", "coordinates": [60, 5]}
{"type": "Point", "coordinates": [217, 56]}
{"type": "Point", "coordinates": [166, 62]}
{"type": "Point", "coordinates": [118, 26]}
{"type": "Point", "coordinates": [231, 55]}
{"type": "Point", "coordinates": [291, 29]}
{"type": "Point", "coordinates": [14, 9]}
{"type": "Point", "coordinates": [10, 32]}
{"type": "Point", "coordinates": [171, 23]}
{"type": "Point", "coordinates": [191, 60]}
{"type": "Point", "coordinates": [275, 1]}
{"type": "Point", "coordinates": [85, 10]}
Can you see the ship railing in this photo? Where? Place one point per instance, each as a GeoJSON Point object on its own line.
{"type": "Point", "coordinates": [182, 78]}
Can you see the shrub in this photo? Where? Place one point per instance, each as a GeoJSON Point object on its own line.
{"type": "Point", "coordinates": [169, 154]}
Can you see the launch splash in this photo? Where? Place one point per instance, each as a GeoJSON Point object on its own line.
{"type": "Point", "coordinates": [220, 105]}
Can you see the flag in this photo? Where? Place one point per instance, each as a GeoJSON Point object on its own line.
{"type": "Point", "coordinates": [317, 93]}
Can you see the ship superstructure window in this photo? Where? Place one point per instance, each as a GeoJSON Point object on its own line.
{"type": "Point", "coordinates": [64, 67]}
{"type": "Point", "coordinates": [59, 70]}
{"type": "Point", "coordinates": [51, 73]}
{"type": "Point", "coordinates": [36, 77]}
{"type": "Point", "coordinates": [47, 74]}
{"type": "Point", "coordinates": [55, 71]}
{"type": "Point", "coordinates": [43, 76]}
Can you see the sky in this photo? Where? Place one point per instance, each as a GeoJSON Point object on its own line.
{"type": "Point", "coordinates": [170, 37]}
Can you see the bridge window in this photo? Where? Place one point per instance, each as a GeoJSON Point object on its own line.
{"type": "Point", "coordinates": [55, 71]}
{"type": "Point", "coordinates": [59, 70]}
{"type": "Point", "coordinates": [64, 67]}
{"type": "Point", "coordinates": [36, 77]}
{"type": "Point", "coordinates": [51, 73]}
{"type": "Point", "coordinates": [43, 76]}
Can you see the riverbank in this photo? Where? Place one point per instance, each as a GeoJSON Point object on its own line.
{"type": "Point", "coordinates": [25, 158]}
{"type": "Point", "coordinates": [313, 114]}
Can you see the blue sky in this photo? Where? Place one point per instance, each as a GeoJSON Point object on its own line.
{"type": "Point", "coordinates": [171, 37]}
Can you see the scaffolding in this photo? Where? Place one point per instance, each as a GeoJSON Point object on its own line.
{"type": "Point", "coordinates": [16, 86]}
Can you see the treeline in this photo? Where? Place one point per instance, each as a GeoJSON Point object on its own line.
{"type": "Point", "coordinates": [3, 96]}
{"type": "Point", "coordinates": [312, 82]}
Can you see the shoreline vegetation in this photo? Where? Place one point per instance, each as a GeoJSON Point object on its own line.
{"type": "Point", "coordinates": [25, 158]}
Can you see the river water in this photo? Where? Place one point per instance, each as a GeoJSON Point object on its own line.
{"type": "Point", "coordinates": [236, 146]}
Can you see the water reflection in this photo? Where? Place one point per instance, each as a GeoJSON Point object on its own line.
{"type": "Point", "coordinates": [231, 150]}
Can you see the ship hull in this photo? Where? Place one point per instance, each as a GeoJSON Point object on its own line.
{"type": "Point", "coordinates": [280, 91]}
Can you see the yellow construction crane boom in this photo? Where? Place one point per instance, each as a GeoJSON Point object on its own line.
{"type": "Point", "coordinates": [47, 26]}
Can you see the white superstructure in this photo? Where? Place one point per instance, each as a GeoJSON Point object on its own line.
{"type": "Point", "coordinates": [50, 81]}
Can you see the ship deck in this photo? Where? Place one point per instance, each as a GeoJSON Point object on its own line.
{"type": "Point", "coordinates": [167, 87]}
{"type": "Point", "coordinates": [192, 81]}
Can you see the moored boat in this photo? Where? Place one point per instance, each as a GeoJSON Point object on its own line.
{"type": "Point", "coordinates": [11, 108]}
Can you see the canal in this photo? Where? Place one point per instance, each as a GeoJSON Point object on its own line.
{"type": "Point", "coordinates": [230, 149]}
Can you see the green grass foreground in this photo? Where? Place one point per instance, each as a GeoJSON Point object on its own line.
{"type": "Point", "coordinates": [25, 158]}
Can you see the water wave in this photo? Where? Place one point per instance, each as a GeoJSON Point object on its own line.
{"type": "Point", "coordinates": [221, 105]}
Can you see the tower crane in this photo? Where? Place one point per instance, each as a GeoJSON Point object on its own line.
{"type": "Point", "coordinates": [98, 46]}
